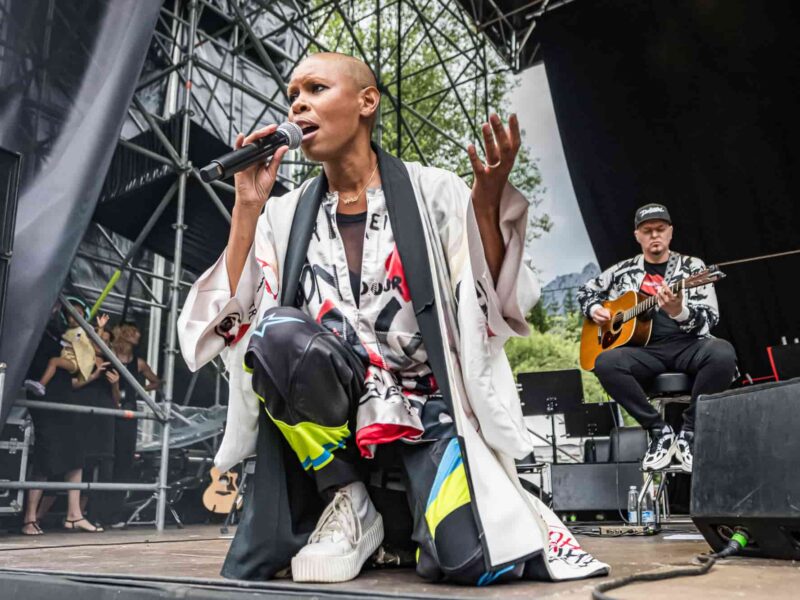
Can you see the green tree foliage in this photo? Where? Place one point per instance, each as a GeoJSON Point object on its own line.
{"type": "Point", "coordinates": [553, 345]}
{"type": "Point", "coordinates": [441, 74]}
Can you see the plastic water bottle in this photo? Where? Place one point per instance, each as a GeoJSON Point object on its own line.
{"type": "Point", "coordinates": [648, 513]}
{"type": "Point", "coordinates": [633, 500]}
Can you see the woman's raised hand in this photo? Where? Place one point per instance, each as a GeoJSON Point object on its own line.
{"type": "Point", "coordinates": [254, 184]}
{"type": "Point", "coordinates": [501, 146]}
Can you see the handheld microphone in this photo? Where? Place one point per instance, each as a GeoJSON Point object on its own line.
{"type": "Point", "coordinates": [287, 134]}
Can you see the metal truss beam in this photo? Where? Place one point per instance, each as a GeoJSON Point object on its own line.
{"type": "Point", "coordinates": [512, 30]}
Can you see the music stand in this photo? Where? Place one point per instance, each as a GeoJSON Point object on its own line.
{"type": "Point", "coordinates": [547, 393]}
{"type": "Point", "coordinates": [592, 419]}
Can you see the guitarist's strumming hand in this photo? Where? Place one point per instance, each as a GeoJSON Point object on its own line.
{"type": "Point", "coordinates": [600, 314]}
{"type": "Point", "coordinates": [670, 303]}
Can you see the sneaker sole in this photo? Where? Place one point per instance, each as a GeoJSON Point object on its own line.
{"type": "Point", "coordinates": [328, 569]}
{"type": "Point", "coordinates": [661, 464]}
{"type": "Point", "coordinates": [681, 463]}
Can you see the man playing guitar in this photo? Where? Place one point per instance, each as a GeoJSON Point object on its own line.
{"type": "Point", "coordinates": [680, 340]}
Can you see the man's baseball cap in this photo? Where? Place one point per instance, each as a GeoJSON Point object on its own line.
{"type": "Point", "coordinates": [650, 212]}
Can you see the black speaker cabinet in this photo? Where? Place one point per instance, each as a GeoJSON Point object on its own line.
{"type": "Point", "coordinates": [595, 487]}
{"type": "Point", "coordinates": [747, 467]}
{"type": "Point", "coordinates": [9, 182]}
{"type": "Point", "coordinates": [627, 444]}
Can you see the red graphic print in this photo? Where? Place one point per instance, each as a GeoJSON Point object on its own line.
{"type": "Point", "coordinates": [394, 268]}
{"type": "Point", "coordinates": [270, 278]}
{"type": "Point", "coordinates": [650, 284]}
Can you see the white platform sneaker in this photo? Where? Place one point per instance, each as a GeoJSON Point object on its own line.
{"type": "Point", "coordinates": [347, 533]}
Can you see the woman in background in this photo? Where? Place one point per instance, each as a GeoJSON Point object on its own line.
{"type": "Point", "coordinates": [125, 337]}
{"type": "Point", "coordinates": [102, 391]}
{"type": "Point", "coordinates": [58, 451]}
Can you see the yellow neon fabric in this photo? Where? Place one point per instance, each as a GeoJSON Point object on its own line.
{"type": "Point", "coordinates": [314, 444]}
{"type": "Point", "coordinates": [453, 494]}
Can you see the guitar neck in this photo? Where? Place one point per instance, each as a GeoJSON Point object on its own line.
{"type": "Point", "coordinates": [645, 305]}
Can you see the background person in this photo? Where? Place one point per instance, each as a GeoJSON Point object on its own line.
{"type": "Point", "coordinates": [681, 337]}
{"type": "Point", "coordinates": [58, 452]}
{"type": "Point", "coordinates": [125, 337]}
{"type": "Point", "coordinates": [101, 391]}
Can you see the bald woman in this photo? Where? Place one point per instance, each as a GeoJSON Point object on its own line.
{"type": "Point", "coordinates": [362, 317]}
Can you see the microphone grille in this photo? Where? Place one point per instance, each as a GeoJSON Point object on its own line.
{"type": "Point", "coordinates": [293, 132]}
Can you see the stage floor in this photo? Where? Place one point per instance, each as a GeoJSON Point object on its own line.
{"type": "Point", "coordinates": [198, 551]}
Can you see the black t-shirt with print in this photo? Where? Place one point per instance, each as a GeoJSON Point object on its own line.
{"type": "Point", "coordinates": [663, 325]}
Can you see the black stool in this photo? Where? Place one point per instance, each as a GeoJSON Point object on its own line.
{"type": "Point", "coordinates": [669, 388]}
{"type": "Point", "coordinates": [670, 384]}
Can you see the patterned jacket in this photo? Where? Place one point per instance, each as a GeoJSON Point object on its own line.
{"type": "Point", "coordinates": [700, 311]}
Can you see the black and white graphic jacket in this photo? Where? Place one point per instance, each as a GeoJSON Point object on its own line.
{"type": "Point", "coordinates": [700, 311]}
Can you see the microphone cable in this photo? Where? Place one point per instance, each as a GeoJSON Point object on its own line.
{"type": "Point", "coordinates": [738, 541]}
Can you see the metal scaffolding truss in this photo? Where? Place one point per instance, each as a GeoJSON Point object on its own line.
{"type": "Point", "coordinates": [511, 27]}
{"type": "Point", "coordinates": [223, 66]}
{"type": "Point", "coordinates": [431, 63]}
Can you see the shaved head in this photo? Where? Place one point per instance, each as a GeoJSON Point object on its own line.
{"type": "Point", "coordinates": [354, 68]}
{"type": "Point", "coordinates": [334, 99]}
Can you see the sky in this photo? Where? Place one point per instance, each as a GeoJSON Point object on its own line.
{"type": "Point", "coordinates": [566, 248]}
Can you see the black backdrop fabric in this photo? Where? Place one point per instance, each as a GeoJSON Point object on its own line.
{"type": "Point", "coordinates": [67, 74]}
{"type": "Point", "coordinates": [692, 104]}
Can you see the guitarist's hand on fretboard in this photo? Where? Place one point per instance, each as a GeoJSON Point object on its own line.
{"type": "Point", "coordinates": [669, 302]}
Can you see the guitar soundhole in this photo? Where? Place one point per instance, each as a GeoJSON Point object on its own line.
{"type": "Point", "coordinates": [609, 337]}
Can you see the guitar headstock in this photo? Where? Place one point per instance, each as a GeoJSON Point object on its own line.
{"type": "Point", "coordinates": [707, 276]}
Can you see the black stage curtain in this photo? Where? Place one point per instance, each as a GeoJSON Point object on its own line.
{"type": "Point", "coordinates": [693, 104]}
{"type": "Point", "coordinates": [67, 74]}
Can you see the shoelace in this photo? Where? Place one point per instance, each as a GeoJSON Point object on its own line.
{"type": "Point", "coordinates": [658, 444]}
{"type": "Point", "coordinates": [339, 517]}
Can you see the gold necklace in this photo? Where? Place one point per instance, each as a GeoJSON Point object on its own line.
{"type": "Point", "coordinates": [351, 199]}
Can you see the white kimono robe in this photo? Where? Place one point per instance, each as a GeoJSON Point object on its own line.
{"type": "Point", "coordinates": [485, 403]}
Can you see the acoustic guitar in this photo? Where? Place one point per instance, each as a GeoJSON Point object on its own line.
{"type": "Point", "coordinates": [221, 494]}
{"type": "Point", "coordinates": [631, 321]}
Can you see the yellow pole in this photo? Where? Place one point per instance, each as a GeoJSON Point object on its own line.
{"type": "Point", "coordinates": [109, 286]}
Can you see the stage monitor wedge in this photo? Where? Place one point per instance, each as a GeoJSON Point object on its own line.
{"type": "Point", "coordinates": [593, 487]}
{"type": "Point", "coordinates": [746, 462]}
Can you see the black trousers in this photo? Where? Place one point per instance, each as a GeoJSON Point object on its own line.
{"type": "Point", "coordinates": [623, 371]}
{"type": "Point", "coordinates": [310, 383]}
{"type": "Point", "coordinates": [125, 433]}
{"type": "Point", "coordinates": [101, 504]}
